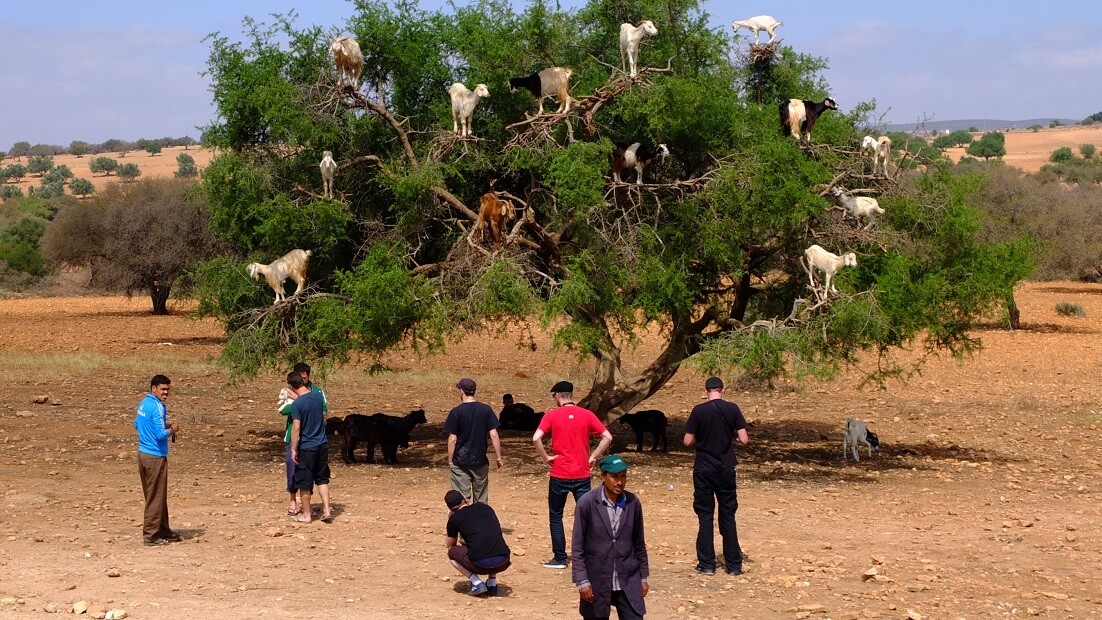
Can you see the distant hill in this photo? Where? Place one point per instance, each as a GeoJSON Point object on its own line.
{"type": "Point", "coordinates": [983, 124]}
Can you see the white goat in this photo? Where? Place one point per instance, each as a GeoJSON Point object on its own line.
{"type": "Point", "coordinates": [829, 264]}
{"type": "Point", "coordinates": [328, 171]}
{"type": "Point", "coordinates": [349, 60]}
{"type": "Point", "coordinates": [463, 105]}
{"type": "Point", "coordinates": [630, 37]}
{"type": "Point", "coordinates": [757, 24]}
{"type": "Point", "coordinates": [284, 399]}
{"type": "Point", "coordinates": [290, 265]}
{"type": "Point", "coordinates": [868, 146]}
{"type": "Point", "coordinates": [883, 155]}
{"type": "Point", "coordinates": [859, 206]}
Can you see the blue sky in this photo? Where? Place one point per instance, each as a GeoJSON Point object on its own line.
{"type": "Point", "coordinates": [79, 70]}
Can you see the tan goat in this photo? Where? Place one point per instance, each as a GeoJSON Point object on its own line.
{"type": "Point", "coordinates": [290, 265]}
{"type": "Point", "coordinates": [349, 60]}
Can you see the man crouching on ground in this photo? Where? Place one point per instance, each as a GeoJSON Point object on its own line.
{"type": "Point", "coordinates": [483, 551]}
{"type": "Point", "coordinates": [608, 550]}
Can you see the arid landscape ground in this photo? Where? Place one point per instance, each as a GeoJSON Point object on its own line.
{"type": "Point", "coordinates": [983, 503]}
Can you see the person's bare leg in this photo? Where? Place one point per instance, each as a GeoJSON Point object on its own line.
{"type": "Point", "coordinates": [304, 505]}
{"type": "Point", "coordinates": [292, 503]}
{"type": "Point", "coordinates": [326, 511]}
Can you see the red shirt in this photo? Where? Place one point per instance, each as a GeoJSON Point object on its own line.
{"type": "Point", "coordinates": [570, 427]}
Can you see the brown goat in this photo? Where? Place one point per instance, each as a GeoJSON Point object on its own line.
{"type": "Point", "coordinates": [493, 213]}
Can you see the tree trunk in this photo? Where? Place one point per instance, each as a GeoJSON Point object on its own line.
{"type": "Point", "coordinates": [158, 294]}
{"type": "Point", "coordinates": [1012, 311]}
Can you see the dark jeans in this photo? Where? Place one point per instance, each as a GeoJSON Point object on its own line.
{"type": "Point", "coordinates": [624, 610]}
{"type": "Point", "coordinates": [708, 487]}
{"type": "Point", "coordinates": [557, 490]}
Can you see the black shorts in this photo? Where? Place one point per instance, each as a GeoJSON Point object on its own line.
{"type": "Point", "coordinates": [312, 467]}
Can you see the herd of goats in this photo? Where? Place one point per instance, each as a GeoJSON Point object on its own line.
{"type": "Point", "coordinates": [797, 118]}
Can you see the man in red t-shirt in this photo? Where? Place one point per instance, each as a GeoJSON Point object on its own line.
{"type": "Point", "coordinates": [570, 427]}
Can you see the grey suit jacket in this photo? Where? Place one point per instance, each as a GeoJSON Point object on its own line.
{"type": "Point", "coordinates": [594, 551]}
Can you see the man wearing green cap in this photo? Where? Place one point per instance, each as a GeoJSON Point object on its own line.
{"type": "Point", "coordinates": [608, 550]}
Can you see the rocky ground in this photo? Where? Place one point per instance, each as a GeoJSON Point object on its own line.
{"type": "Point", "coordinates": [983, 503]}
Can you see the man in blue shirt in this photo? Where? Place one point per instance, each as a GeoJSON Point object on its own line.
{"type": "Point", "coordinates": [154, 430]}
{"type": "Point", "coordinates": [309, 447]}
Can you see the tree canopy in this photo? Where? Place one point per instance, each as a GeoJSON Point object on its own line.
{"type": "Point", "coordinates": [991, 144]}
{"type": "Point", "coordinates": [708, 252]}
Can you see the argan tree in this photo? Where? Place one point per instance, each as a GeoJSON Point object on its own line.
{"type": "Point", "coordinates": [128, 172]}
{"type": "Point", "coordinates": [707, 253]}
{"type": "Point", "coordinates": [135, 237]}
{"type": "Point", "coordinates": [106, 165]}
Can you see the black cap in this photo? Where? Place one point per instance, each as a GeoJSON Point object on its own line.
{"type": "Point", "coordinates": [713, 383]}
{"type": "Point", "coordinates": [453, 499]}
{"type": "Point", "coordinates": [563, 387]}
{"type": "Point", "coordinates": [467, 385]}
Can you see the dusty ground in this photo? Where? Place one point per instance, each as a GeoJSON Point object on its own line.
{"type": "Point", "coordinates": [1030, 150]}
{"type": "Point", "coordinates": [161, 165]}
{"type": "Point", "coordinates": [984, 502]}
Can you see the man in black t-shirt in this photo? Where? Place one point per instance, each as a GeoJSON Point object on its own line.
{"type": "Point", "coordinates": [468, 426]}
{"type": "Point", "coordinates": [711, 428]}
{"type": "Point", "coordinates": [483, 551]}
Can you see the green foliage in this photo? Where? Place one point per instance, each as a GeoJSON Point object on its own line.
{"type": "Point", "coordinates": [14, 172]}
{"type": "Point", "coordinates": [1035, 128]}
{"type": "Point", "coordinates": [39, 164]}
{"type": "Point", "coordinates": [58, 174]}
{"type": "Point", "coordinates": [82, 187]}
{"type": "Point", "coordinates": [19, 245]}
{"type": "Point", "coordinates": [20, 149]}
{"type": "Point", "coordinates": [991, 144]}
{"type": "Point", "coordinates": [186, 167]}
{"type": "Point", "coordinates": [1054, 123]}
{"type": "Point", "coordinates": [128, 172]}
{"type": "Point", "coordinates": [1087, 150]}
{"type": "Point", "coordinates": [152, 148]}
{"type": "Point", "coordinates": [79, 148]}
{"type": "Point", "coordinates": [956, 138]}
{"type": "Point", "coordinates": [1065, 308]}
{"type": "Point", "coordinates": [106, 165]}
{"type": "Point", "coordinates": [1061, 155]}
{"type": "Point", "coordinates": [10, 191]}
{"type": "Point", "coordinates": [50, 190]}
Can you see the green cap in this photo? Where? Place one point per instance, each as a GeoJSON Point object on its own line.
{"type": "Point", "coordinates": [613, 464]}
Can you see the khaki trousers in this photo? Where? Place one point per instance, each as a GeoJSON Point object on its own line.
{"type": "Point", "coordinates": [153, 471]}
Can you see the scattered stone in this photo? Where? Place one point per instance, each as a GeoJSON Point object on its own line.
{"type": "Point", "coordinates": [274, 532]}
{"type": "Point", "coordinates": [41, 399]}
{"type": "Point", "coordinates": [9, 600]}
{"type": "Point", "coordinates": [50, 608]}
{"type": "Point", "coordinates": [518, 551]}
{"type": "Point", "coordinates": [913, 615]}
{"type": "Point", "coordinates": [114, 572]}
{"type": "Point", "coordinates": [220, 433]}
{"type": "Point", "coordinates": [870, 574]}
{"type": "Point", "coordinates": [99, 612]}
{"type": "Point", "coordinates": [117, 614]}
{"type": "Point", "coordinates": [1060, 596]}
{"type": "Point", "coordinates": [55, 402]}
{"type": "Point", "coordinates": [80, 607]}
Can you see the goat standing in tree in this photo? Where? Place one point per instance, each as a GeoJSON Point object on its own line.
{"type": "Point", "coordinates": [463, 105]}
{"type": "Point", "coordinates": [349, 60]}
{"type": "Point", "coordinates": [290, 265]}
{"type": "Point", "coordinates": [493, 213]}
{"type": "Point", "coordinates": [798, 116]}
{"type": "Point", "coordinates": [328, 171]}
{"type": "Point", "coordinates": [551, 82]}
{"type": "Point", "coordinates": [630, 37]}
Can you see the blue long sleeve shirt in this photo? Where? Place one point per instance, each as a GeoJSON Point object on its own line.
{"type": "Point", "coordinates": [153, 434]}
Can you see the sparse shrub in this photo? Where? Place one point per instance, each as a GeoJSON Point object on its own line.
{"type": "Point", "coordinates": [187, 166]}
{"type": "Point", "coordinates": [1087, 150]}
{"type": "Point", "coordinates": [1035, 128]}
{"type": "Point", "coordinates": [1065, 308]}
{"type": "Point", "coordinates": [1061, 155]}
{"type": "Point", "coordinates": [1054, 123]}
{"type": "Point", "coordinates": [82, 187]}
{"type": "Point", "coordinates": [129, 172]}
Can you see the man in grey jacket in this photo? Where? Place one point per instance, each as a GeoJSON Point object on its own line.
{"type": "Point", "coordinates": [608, 550]}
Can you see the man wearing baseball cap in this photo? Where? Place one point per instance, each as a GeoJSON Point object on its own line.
{"type": "Point", "coordinates": [570, 427]}
{"type": "Point", "coordinates": [608, 549]}
{"type": "Point", "coordinates": [483, 551]}
{"type": "Point", "coordinates": [467, 426]}
{"type": "Point", "coordinates": [711, 429]}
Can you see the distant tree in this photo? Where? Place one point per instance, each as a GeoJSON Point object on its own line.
{"type": "Point", "coordinates": [10, 191]}
{"type": "Point", "coordinates": [106, 165]}
{"type": "Point", "coordinates": [185, 142]}
{"type": "Point", "coordinates": [152, 148]}
{"type": "Point", "coordinates": [60, 174]}
{"type": "Point", "coordinates": [992, 144]}
{"type": "Point", "coordinates": [1061, 155]}
{"type": "Point", "coordinates": [42, 149]}
{"type": "Point", "coordinates": [1054, 123]}
{"type": "Point", "coordinates": [1097, 116]}
{"type": "Point", "coordinates": [114, 145]}
{"type": "Point", "coordinates": [15, 172]}
{"type": "Point", "coordinates": [2, 156]}
{"type": "Point", "coordinates": [135, 237]}
{"type": "Point", "coordinates": [79, 148]}
{"type": "Point", "coordinates": [957, 138]}
{"type": "Point", "coordinates": [39, 164]}
{"type": "Point", "coordinates": [129, 172]}
{"type": "Point", "coordinates": [1035, 128]}
{"type": "Point", "coordinates": [187, 166]}
{"type": "Point", "coordinates": [20, 149]}
{"type": "Point", "coordinates": [1087, 150]}
{"type": "Point", "coordinates": [82, 187]}
{"type": "Point", "coordinates": [973, 129]}
{"type": "Point", "coordinates": [50, 190]}
{"type": "Point", "coordinates": [19, 245]}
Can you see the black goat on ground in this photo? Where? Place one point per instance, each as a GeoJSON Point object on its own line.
{"type": "Point", "coordinates": [390, 432]}
{"type": "Point", "coordinates": [334, 425]}
{"type": "Point", "coordinates": [647, 421]}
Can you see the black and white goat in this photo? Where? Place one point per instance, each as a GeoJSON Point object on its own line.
{"type": "Point", "coordinates": [798, 116]}
{"type": "Point", "coordinates": [551, 82]}
{"type": "Point", "coordinates": [636, 155]}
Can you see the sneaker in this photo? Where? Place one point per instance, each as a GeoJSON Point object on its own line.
{"type": "Point", "coordinates": [734, 572]}
{"type": "Point", "coordinates": [700, 570]}
{"type": "Point", "coordinates": [553, 563]}
{"type": "Point", "coordinates": [478, 590]}
{"type": "Point", "coordinates": [491, 590]}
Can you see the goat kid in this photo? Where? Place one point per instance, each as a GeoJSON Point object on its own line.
{"type": "Point", "coordinates": [647, 421]}
{"type": "Point", "coordinates": [757, 24]}
{"type": "Point", "coordinates": [552, 81]}
{"type": "Point", "coordinates": [630, 38]}
{"type": "Point", "coordinates": [493, 213]}
{"type": "Point", "coordinates": [798, 116]}
{"type": "Point", "coordinates": [856, 432]}
{"type": "Point", "coordinates": [638, 156]}
{"type": "Point", "coordinates": [858, 206]}
{"type": "Point", "coordinates": [829, 264]}
{"type": "Point", "coordinates": [349, 60]}
{"type": "Point", "coordinates": [328, 171]}
{"type": "Point", "coordinates": [464, 102]}
{"type": "Point", "coordinates": [291, 265]}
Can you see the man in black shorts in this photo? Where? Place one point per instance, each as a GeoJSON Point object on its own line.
{"type": "Point", "coordinates": [483, 551]}
{"type": "Point", "coordinates": [309, 447]}
{"type": "Point", "coordinates": [711, 429]}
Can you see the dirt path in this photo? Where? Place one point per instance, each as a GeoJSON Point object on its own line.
{"type": "Point", "coordinates": [983, 503]}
